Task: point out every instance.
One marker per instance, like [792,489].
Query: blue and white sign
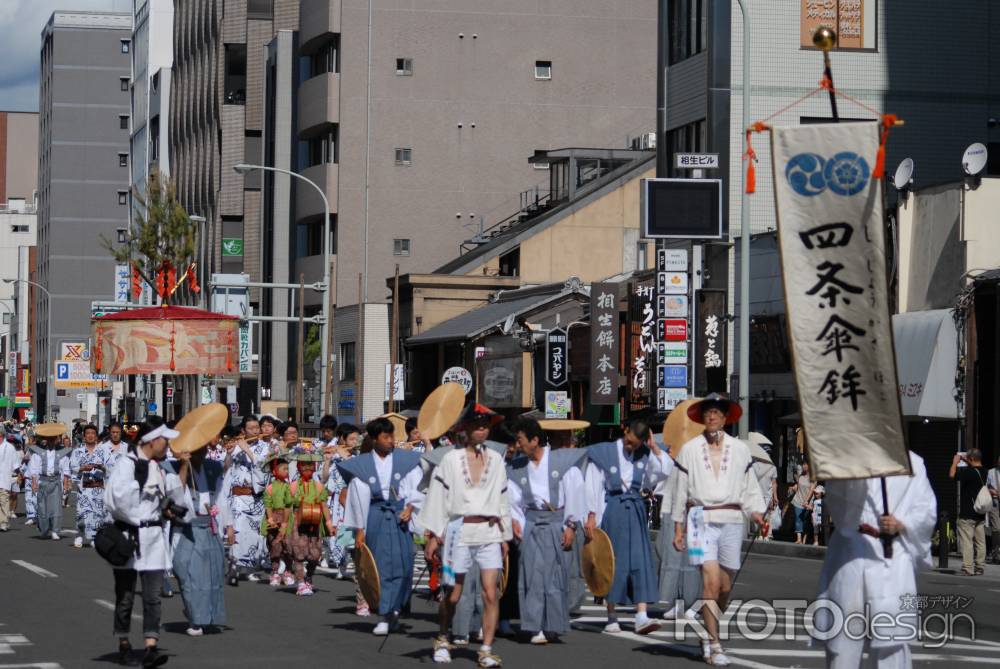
[123,283]
[152,407]
[673,376]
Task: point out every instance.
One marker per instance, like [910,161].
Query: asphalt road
[57,600]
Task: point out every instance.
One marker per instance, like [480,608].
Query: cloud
[21,24]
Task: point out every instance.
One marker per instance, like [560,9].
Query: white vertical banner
[123,283]
[830,230]
[394,388]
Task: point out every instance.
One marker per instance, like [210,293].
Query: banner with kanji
[832,245]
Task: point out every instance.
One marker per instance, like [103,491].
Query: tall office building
[417,123]
[83,181]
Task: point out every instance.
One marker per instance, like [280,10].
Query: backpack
[984,500]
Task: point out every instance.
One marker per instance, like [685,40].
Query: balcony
[317,19]
[307,201]
[319,102]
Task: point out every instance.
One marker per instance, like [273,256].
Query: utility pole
[328,401]
[359,356]
[300,362]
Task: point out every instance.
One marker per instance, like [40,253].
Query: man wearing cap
[467,511]
[49,471]
[382,498]
[715,489]
[141,497]
[546,499]
[617,473]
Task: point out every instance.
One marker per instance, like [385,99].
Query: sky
[21,23]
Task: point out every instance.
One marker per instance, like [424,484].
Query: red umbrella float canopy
[165,340]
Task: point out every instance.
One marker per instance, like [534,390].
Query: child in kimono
[277,511]
[311,522]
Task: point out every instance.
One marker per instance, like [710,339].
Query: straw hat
[440,410]
[198,427]
[679,429]
[366,572]
[716,401]
[399,424]
[563,424]
[599,563]
[50,430]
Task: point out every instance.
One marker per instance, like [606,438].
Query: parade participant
[547,499]
[199,558]
[268,430]
[140,495]
[88,465]
[114,447]
[468,513]
[311,521]
[716,487]
[277,516]
[817,513]
[616,475]
[10,462]
[860,580]
[291,444]
[382,497]
[50,478]
[417,442]
[344,444]
[327,431]
[243,487]
[30,493]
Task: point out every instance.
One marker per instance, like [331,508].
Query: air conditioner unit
[644,142]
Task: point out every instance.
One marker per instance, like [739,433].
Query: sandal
[487,659]
[718,658]
[442,650]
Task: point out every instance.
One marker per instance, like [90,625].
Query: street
[58,600]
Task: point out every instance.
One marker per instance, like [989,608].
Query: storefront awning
[926,360]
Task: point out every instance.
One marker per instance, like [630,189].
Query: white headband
[162,431]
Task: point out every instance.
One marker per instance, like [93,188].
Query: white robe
[359,494]
[452,496]
[855,572]
[699,485]
[572,498]
[10,461]
[125,502]
[659,468]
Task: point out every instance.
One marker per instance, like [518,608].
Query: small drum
[311,514]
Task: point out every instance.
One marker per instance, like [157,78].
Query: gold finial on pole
[825,38]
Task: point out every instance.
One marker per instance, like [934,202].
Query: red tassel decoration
[888,120]
[99,355]
[136,281]
[173,335]
[751,157]
[193,280]
[229,350]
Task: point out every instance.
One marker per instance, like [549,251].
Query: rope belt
[241,490]
[475,520]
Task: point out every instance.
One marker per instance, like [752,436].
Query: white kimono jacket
[572,499]
[658,470]
[855,573]
[125,502]
[699,485]
[359,494]
[452,495]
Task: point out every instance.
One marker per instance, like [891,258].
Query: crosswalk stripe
[44,573]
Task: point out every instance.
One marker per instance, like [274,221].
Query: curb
[786,549]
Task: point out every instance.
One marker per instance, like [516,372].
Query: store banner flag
[832,245]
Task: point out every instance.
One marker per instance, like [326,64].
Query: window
[404,67]
[123,121]
[123,83]
[122,160]
[123,197]
[690,138]
[20,228]
[401,247]
[642,256]
[260,9]
[236,74]
[154,138]
[325,59]
[540,165]
[687,29]
[347,361]
[322,149]
[125,45]
[543,69]
[404,156]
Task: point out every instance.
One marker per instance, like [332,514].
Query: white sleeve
[680,502]
[435,512]
[594,492]
[752,499]
[659,469]
[516,499]
[574,496]
[121,493]
[64,465]
[409,489]
[35,465]
[359,498]
[508,533]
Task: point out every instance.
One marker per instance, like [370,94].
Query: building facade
[83,183]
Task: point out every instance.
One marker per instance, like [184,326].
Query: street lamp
[244,169]
[48,335]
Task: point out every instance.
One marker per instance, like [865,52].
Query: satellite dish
[904,174]
[974,159]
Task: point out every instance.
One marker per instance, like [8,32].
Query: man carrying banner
[716,486]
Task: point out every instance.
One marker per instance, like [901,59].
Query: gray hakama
[543,580]
[199,564]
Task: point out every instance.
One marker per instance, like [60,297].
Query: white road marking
[14,638]
[36,665]
[103,603]
[44,573]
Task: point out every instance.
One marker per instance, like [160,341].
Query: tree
[161,242]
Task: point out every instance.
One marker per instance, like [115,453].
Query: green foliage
[313,344]
[162,232]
